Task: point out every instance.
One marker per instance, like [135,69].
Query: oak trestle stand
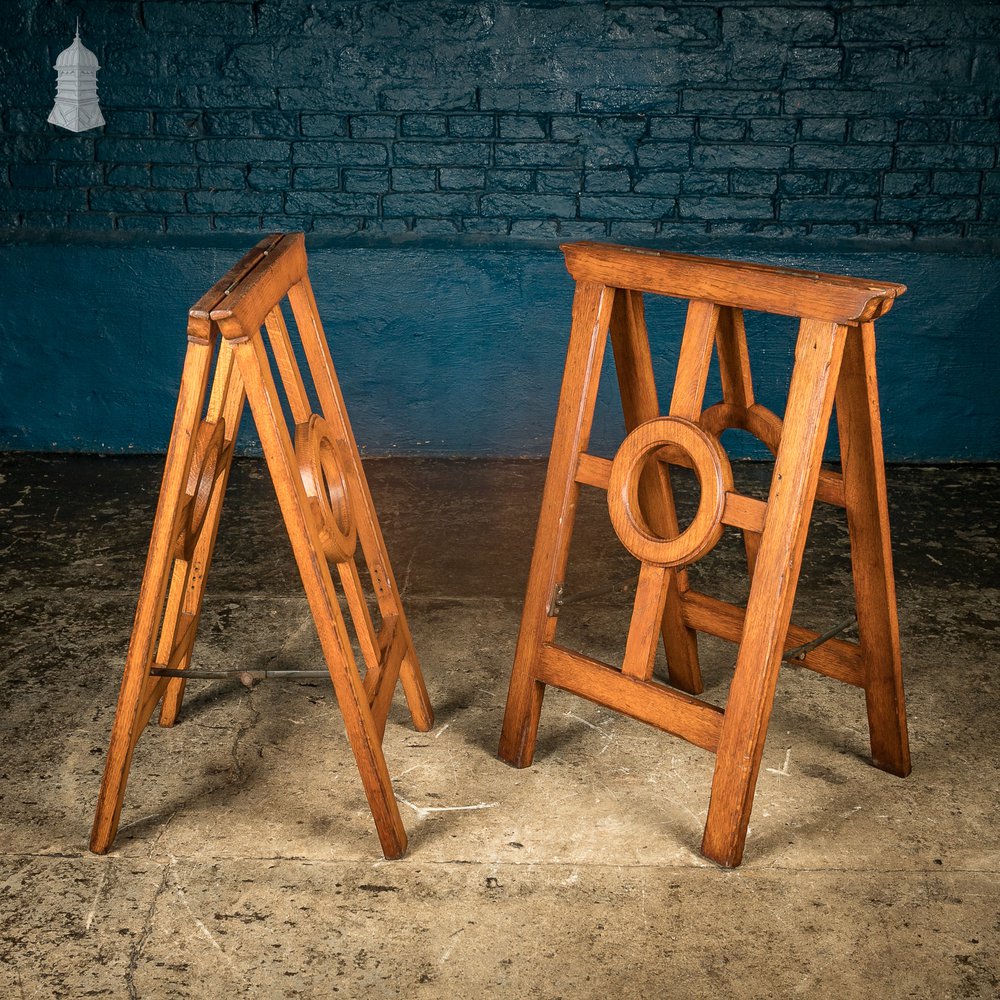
[325,504]
[834,361]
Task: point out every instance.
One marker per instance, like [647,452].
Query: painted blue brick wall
[518,120]
[435,152]
[447,351]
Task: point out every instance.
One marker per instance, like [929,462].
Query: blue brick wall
[456,351]
[635,121]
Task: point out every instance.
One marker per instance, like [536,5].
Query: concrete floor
[247,864]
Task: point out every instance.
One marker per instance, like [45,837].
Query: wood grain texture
[245,308]
[772,592]
[640,402]
[836,658]
[871,550]
[373,547]
[715,478]
[787,292]
[200,329]
[592,306]
[672,711]
[737,391]
[225,403]
[647,619]
[138,696]
[152,593]
[314,570]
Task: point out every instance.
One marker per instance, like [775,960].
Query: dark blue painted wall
[451,351]
[632,120]
[436,152]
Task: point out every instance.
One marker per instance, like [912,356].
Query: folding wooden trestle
[325,503]
[834,360]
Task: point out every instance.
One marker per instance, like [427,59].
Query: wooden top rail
[787,292]
[199,315]
[242,312]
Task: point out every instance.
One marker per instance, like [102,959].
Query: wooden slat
[288,369]
[154,688]
[787,292]
[183,641]
[199,328]
[818,351]
[393,643]
[830,488]
[737,391]
[364,627]
[734,359]
[672,711]
[647,618]
[640,402]
[593,471]
[152,692]
[149,611]
[362,732]
[225,403]
[744,512]
[334,410]
[243,311]
[836,658]
[694,360]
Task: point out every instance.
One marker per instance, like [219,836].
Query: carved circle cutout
[710,464]
[319,457]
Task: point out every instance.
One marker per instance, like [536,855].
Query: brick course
[628,120]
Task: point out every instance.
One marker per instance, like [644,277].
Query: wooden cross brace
[834,360]
[325,503]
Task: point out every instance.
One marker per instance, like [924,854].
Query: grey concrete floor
[247,865]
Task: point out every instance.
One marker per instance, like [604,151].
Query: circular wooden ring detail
[209,442]
[318,454]
[756,420]
[715,476]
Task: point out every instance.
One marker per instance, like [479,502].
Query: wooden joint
[593,471]
[393,647]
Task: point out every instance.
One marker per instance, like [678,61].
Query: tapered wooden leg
[640,402]
[592,306]
[871,552]
[362,732]
[793,488]
[159,561]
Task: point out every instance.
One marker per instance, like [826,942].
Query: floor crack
[241,732]
[140,941]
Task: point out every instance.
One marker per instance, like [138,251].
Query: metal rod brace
[246,677]
[799,652]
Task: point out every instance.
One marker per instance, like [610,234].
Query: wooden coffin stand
[834,362]
[325,504]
